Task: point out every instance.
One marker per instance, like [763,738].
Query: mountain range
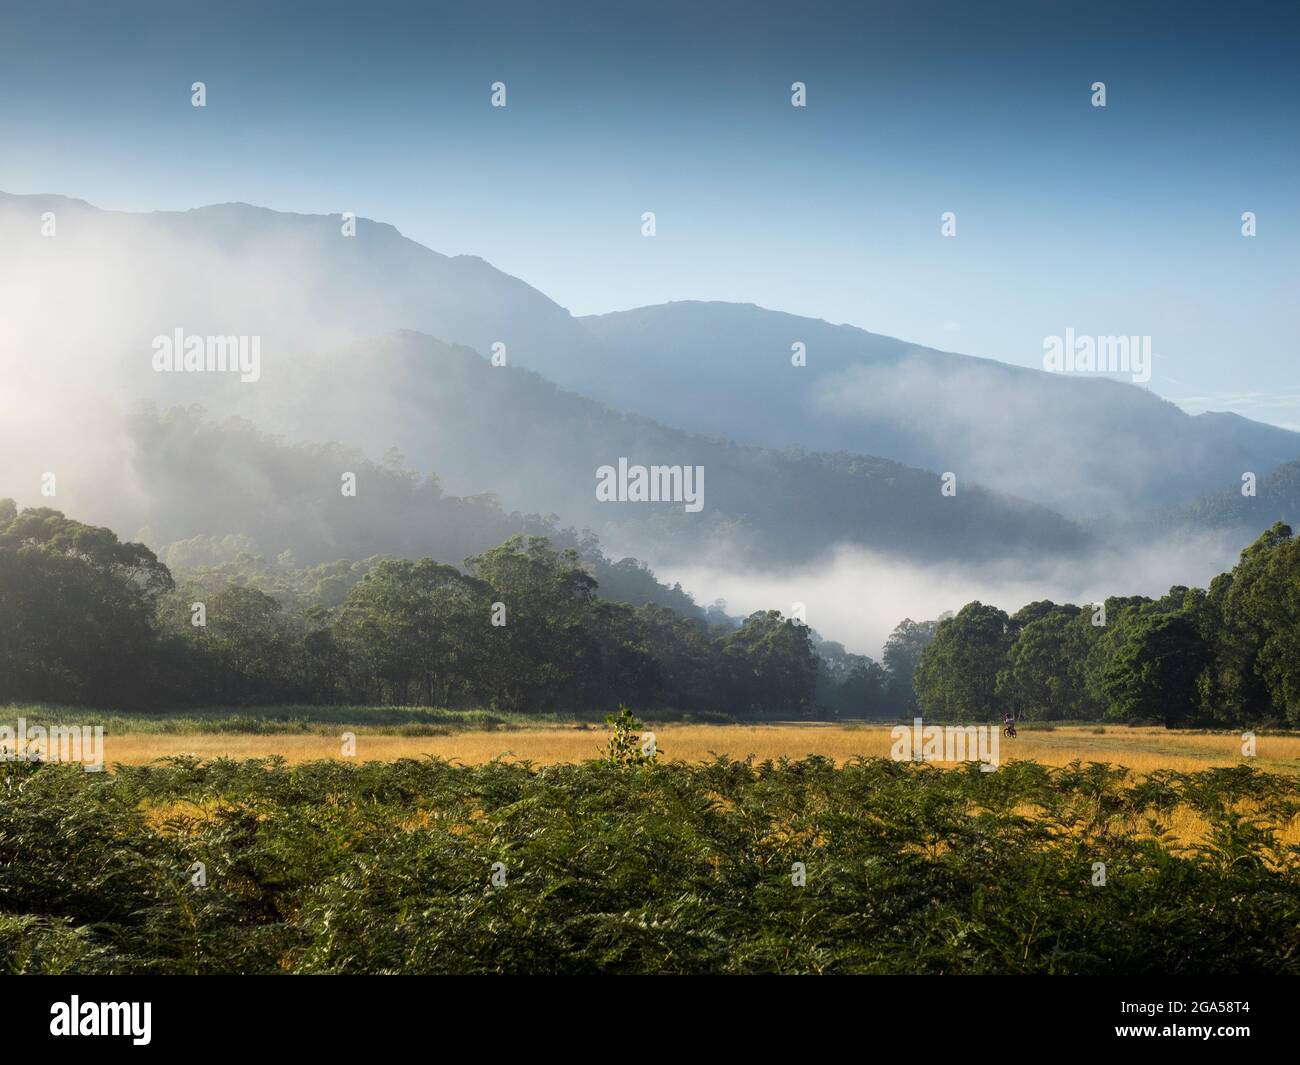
[378,341]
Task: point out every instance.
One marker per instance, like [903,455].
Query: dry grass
[1141,749]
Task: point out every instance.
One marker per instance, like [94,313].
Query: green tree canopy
[956,677]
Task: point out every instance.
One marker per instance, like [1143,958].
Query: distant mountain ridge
[1083,446]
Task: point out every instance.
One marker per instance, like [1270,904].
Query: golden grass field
[1141,749]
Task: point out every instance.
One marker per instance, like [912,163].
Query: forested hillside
[86,619]
[1250,501]
[522,627]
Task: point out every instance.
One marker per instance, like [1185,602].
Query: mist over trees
[200,474]
[1224,656]
[87,619]
[353,353]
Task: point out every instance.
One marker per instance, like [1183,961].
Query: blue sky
[1123,220]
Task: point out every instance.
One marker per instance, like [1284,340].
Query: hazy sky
[1122,220]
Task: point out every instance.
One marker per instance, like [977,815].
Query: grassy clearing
[305,719]
[1140,749]
[302,735]
[386,733]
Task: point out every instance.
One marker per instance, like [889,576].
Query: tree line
[1225,655]
[86,619]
